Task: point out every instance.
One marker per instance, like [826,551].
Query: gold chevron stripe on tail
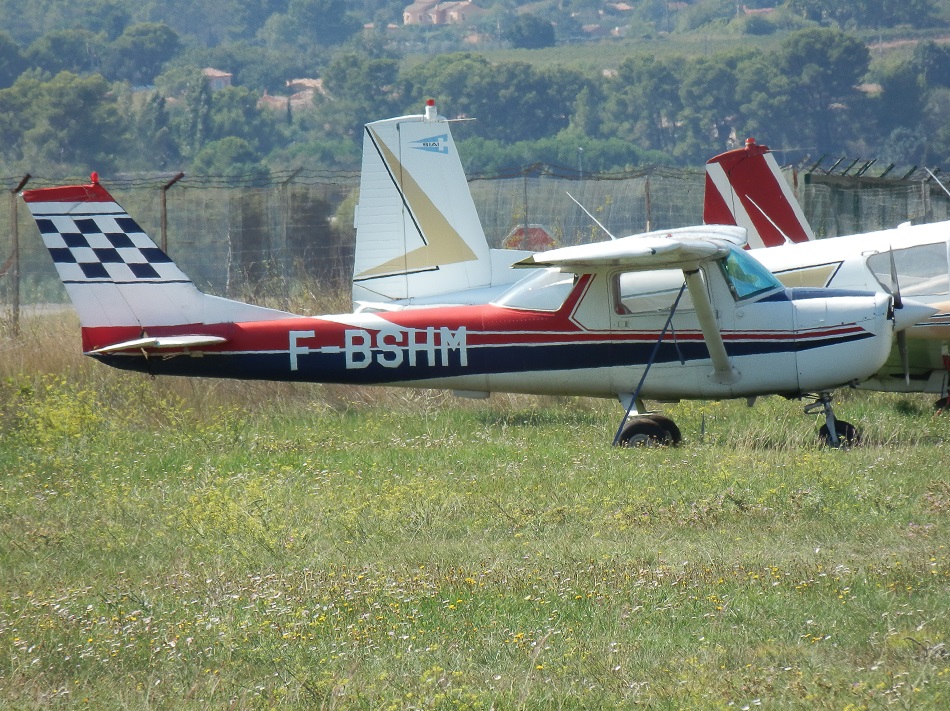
[445,245]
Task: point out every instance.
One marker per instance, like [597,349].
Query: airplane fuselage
[791,342]
[863,262]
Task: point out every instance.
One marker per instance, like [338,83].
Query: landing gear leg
[943,404]
[835,432]
[643,428]
[638,430]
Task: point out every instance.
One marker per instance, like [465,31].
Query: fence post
[287,204]
[164,207]
[15,239]
[648,204]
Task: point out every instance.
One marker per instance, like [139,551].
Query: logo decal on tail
[433,144]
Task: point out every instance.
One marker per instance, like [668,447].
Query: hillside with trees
[235,88]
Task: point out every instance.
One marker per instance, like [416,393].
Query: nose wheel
[834,433]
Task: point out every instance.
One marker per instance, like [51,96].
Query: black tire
[644,432]
[848,435]
[666,423]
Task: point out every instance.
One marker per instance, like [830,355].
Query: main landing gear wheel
[666,423]
[848,435]
[644,432]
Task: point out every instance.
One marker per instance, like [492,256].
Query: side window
[921,270]
[545,290]
[649,292]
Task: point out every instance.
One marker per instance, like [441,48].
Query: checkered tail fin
[114,274]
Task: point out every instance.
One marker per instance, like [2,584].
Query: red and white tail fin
[117,278]
[745,187]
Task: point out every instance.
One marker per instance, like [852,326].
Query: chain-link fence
[257,239]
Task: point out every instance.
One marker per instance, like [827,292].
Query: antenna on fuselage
[586,212]
[931,173]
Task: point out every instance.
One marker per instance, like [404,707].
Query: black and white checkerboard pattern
[105,248]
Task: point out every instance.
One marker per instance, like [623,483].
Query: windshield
[746,276]
[544,291]
[921,270]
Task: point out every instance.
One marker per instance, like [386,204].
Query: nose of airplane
[910,313]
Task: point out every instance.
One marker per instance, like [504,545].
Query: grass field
[201,544]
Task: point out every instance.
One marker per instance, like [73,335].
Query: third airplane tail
[746,187]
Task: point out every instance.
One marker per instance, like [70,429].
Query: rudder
[745,187]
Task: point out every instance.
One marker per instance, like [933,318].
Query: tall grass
[205,544]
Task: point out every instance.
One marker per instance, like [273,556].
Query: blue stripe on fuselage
[804,293]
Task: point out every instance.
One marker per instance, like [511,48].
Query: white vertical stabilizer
[417,231]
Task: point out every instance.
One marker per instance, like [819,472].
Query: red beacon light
[755,149]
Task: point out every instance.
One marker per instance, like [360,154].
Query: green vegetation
[202,544]
[114,85]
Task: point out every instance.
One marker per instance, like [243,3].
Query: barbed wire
[348,177]
[326,176]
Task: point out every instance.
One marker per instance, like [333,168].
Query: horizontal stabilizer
[161,343]
[667,249]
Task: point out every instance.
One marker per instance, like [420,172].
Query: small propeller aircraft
[683,313]
[420,242]
[745,187]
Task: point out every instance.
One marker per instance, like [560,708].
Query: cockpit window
[747,277]
[921,270]
[546,290]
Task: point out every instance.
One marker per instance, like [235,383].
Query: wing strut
[723,370]
[656,348]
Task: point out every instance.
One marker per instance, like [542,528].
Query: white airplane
[420,241]
[669,315]
[745,187]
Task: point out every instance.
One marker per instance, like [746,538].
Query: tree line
[121,95]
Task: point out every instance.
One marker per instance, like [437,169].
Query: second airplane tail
[418,235]
[745,187]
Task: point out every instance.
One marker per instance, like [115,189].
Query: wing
[684,248]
